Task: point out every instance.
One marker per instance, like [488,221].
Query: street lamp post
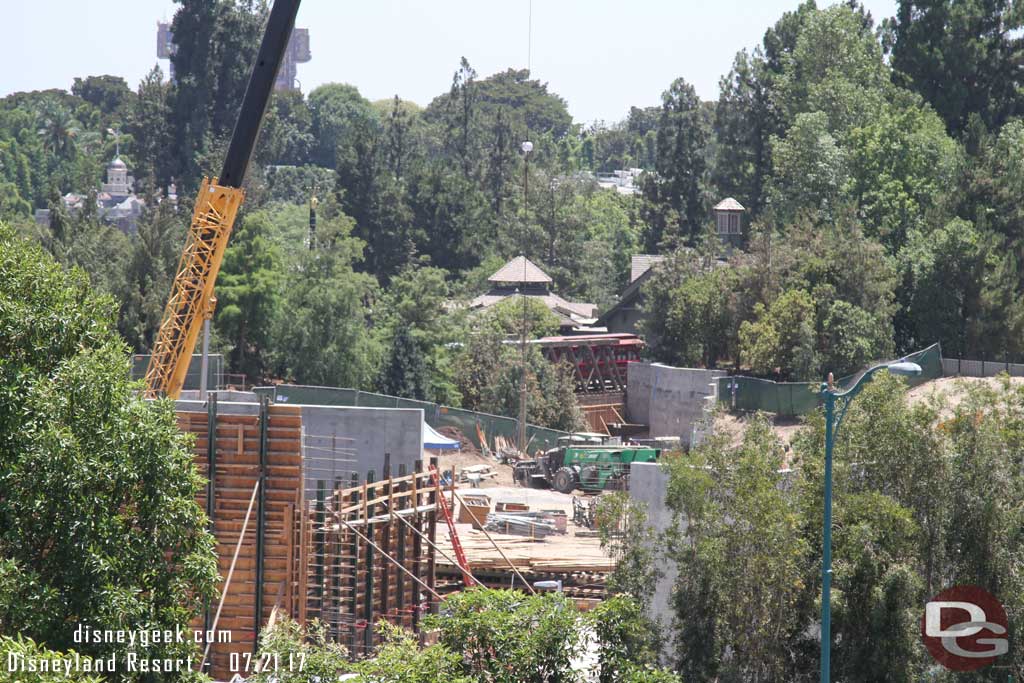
[527,147]
[832,422]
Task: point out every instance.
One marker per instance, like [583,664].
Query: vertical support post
[211,486]
[432,530]
[402,533]
[826,556]
[385,537]
[417,544]
[318,541]
[261,518]
[351,577]
[368,584]
[339,550]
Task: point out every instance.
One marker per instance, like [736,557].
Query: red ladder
[460,554]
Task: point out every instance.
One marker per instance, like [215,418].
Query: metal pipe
[204,366]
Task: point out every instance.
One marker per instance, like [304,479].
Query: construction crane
[217,204]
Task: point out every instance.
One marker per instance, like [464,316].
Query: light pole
[832,422]
[527,147]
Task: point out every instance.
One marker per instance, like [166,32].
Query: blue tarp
[437,442]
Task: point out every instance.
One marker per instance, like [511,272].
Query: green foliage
[960,56]
[19,649]
[692,310]
[400,660]
[325,339]
[741,559]
[301,655]
[627,643]
[510,637]
[626,535]
[249,296]
[809,169]
[337,112]
[109,94]
[405,372]
[488,370]
[78,444]
[675,208]
[780,339]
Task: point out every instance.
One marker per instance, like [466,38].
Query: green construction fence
[799,398]
[466,421]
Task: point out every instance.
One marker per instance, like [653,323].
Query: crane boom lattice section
[212,220]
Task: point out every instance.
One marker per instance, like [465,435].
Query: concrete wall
[647,485]
[670,400]
[340,440]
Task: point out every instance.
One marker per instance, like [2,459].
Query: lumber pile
[555,554]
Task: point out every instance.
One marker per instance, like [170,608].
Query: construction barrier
[799,398]
[466,421]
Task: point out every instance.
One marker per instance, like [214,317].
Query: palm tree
[58,130]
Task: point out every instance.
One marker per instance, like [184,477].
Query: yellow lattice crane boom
[216,207]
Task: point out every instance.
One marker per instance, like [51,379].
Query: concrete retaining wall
[670,400]
[340,440]
[647,485]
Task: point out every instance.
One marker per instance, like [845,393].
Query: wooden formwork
[363,533]
[308,557]
[246,449]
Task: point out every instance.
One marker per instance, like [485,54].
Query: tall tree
[676,207]
[150,126]
[962,56]
[99,520]
[249,296]
[743,124]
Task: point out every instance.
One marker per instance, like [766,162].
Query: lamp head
[527,147]
[904,368]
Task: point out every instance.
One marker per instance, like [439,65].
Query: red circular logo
[965,628]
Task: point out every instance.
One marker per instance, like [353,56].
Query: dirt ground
[469,455]
[734,425]
[949,391]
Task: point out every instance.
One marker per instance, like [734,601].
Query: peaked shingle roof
[641,263]
[729,204]
[520,269]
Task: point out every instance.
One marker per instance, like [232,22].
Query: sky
[601,56]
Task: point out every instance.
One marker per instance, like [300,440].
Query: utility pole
[527,148]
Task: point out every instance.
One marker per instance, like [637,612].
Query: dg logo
[965,628]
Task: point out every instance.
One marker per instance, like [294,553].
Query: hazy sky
[601,56]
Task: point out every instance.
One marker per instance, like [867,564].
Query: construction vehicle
[579,463]
[219,199]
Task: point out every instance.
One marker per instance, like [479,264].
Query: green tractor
[583,462]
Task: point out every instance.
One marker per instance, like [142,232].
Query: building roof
[117,163]
[729,204]
[641,263]
[520,269]
[552,301]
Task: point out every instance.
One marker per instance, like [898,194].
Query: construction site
[454,382]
